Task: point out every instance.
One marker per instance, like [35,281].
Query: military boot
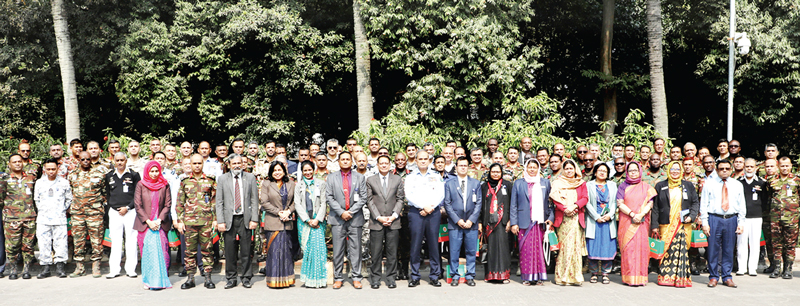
[96,269]
[45,272]
[189,282]
[26,274]
[787,271]
[209,284]
[60,270]
[11,265]
[79,270]
[777,272]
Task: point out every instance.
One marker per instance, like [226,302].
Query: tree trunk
[609,93]
[73,122]
[658,94]
[364,86]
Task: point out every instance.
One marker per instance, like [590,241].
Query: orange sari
[633,237]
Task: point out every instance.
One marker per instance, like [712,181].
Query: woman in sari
[675,209]
[152,201]
[601,227]
[530,214]
[634,199]
[569,197]
[495,226]
[310,207]
[277,200]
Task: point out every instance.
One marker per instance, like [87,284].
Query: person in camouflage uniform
[619,170]
[30,166]
[498,158]
[477,168]
[654,173]
[771,153]
[97,162]
[513,165]
[770,167]
[88,195]
[555,166]
[19,216]
[784,215]
[197,218]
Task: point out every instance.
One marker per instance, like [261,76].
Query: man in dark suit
[385,195]
[462,201]
[237,215]
[346,193]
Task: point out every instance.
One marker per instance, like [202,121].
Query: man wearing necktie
[237,215]
[385,197]
[346,194]
[462,201]
[722,210]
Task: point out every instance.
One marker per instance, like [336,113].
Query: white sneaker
[112,275]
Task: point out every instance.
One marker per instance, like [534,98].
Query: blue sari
[154,271]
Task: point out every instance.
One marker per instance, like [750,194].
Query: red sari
[633,237]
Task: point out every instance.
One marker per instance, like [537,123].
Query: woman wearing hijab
[277,199]
[152,202]
[531,213]
[495,226]
[601,226]
[634,199]
[569,197]
[675,208]
[310,207]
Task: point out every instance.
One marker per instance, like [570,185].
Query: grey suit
[384,203]
[346,231]
[237,224]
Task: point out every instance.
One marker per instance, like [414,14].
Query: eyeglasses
[734,146]
[24,150]
[619,164]
[708,162]
[589,159]
[82,159]
[581,152]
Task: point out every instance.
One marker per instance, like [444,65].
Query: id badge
[789,192]
[685,195]
[504,190]
[28,190]
[50,193]
[356,197]
[125,188]
[474,198]
[755,196]
[205,197]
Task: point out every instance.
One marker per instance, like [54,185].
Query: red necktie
[238,203]
[346,186]
[725,204]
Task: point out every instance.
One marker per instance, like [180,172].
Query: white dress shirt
[711,199]
[241,193]
[424,189]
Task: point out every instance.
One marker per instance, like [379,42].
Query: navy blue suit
[454,206]
[521,204]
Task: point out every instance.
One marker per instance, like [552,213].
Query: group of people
[369,205]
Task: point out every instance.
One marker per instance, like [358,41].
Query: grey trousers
[349,237]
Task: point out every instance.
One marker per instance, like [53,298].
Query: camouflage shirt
[196,200]
[102,166]
[88,191]
[695,180]
[784,197]
[652,178]
[516,171]
[321,175]
[618,179]
[33,168]
[476,172]
[16,196]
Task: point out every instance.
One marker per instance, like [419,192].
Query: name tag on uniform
[789,192]
[665,188]
[50,193]
[504,190]
[28,190]
[755,196]
[94,180]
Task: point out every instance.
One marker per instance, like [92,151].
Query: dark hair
[617,144]
[303,149]
[169,144]
[512,148]
[113,141]
[707,156]
[735,156]
[722,140]
[542,149]
[723,161]
[345,152]
[321,153]
[272,171]
[475,149]
[350,138]
[373,138]
[20,156]
[50,160]
[269,141]
[220,145]
[594,171]
[280,145]
[556,155]
[449,141]
[464,158]
[630,145]
[159,152]
[411,145]
[645,146]
[237,139]
[784,158]
[659,138]
[75,141]
[307,162]
[384,156]
[381,148]
[437,157]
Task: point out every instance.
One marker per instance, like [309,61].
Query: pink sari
[633,237]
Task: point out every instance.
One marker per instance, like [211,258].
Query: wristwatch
[632,214]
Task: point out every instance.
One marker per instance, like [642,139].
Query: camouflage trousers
[198,235]
[766,230]
[20,237]
[784,235]
[52,239]
[91,225]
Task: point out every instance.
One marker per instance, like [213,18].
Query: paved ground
[86,290]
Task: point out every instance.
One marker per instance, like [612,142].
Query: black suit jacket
[660,212]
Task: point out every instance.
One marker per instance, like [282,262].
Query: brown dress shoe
[337,284]
[730,283]
[712,283]
[357,284]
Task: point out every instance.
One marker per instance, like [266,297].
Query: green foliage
[40,149]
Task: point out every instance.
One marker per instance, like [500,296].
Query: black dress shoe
[188,284]
[230,284]
[246,283]
[471,282]
[26,275]
[392,286]
[435,283]
[454,283]
[13,276]
[695,271]
[375,286]
[263,270]
[411,283]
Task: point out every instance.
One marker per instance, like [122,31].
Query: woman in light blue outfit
[601,226]
[310,206]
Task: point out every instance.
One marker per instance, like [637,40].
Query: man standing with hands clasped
[197,220]
[722,210]
[237,214]
[784,215]
[462,201]
[385,195]
[346,193]
[425,192]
